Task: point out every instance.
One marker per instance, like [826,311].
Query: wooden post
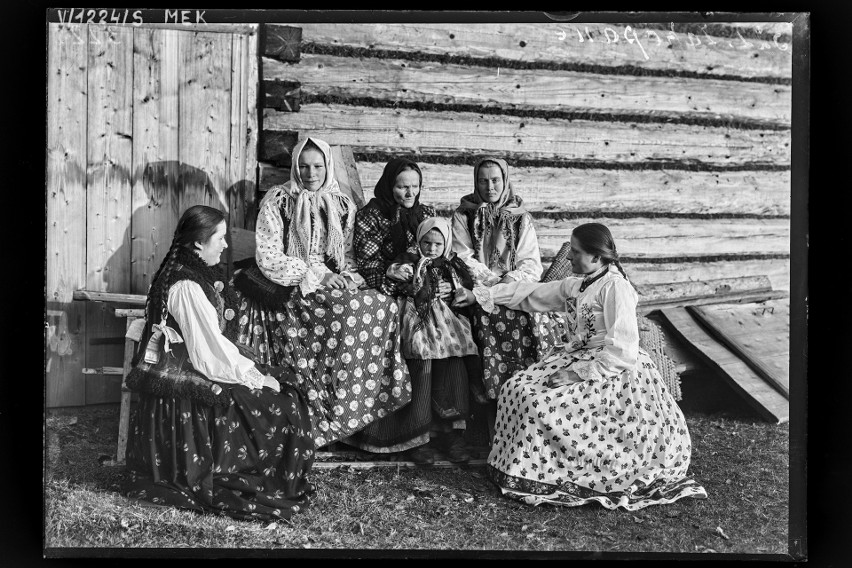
[124,414]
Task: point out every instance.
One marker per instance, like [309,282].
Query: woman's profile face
[581,261]
[432,244]
[312,169]
[406,188]
[210,251]
[489,183]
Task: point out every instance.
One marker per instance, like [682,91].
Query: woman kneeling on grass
[211,432]
[592,420]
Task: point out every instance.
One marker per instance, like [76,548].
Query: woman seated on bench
[211,432]
[494,234]
[301,306]
[592,421]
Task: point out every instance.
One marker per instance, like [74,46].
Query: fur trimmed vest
[170,373]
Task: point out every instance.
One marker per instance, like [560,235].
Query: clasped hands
[337,281]
[561,378]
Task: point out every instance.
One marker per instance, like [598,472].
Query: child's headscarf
[304,207]
[402,220]
[430,271]
[489,221]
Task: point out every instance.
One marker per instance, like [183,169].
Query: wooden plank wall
[675,136]
[143,121]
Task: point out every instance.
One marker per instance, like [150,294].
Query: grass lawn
[742,463]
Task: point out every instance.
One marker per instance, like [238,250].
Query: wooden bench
[133,318]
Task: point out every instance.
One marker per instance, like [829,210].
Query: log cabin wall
[675,136]
[143,121]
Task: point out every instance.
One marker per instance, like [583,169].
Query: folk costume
[437,343]
[205,434]
[498,239]
[341,343]
[617,436]
[384,229]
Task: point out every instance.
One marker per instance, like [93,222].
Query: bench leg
[124,415]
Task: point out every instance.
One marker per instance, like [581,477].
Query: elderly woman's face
[489,183]
[406,188]
[312,169]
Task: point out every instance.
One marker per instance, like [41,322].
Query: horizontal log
[519,91]
[672,238]
[130,313]
[720,286]
[573,189]
[92,296]
[746,297]
[368,129]
[649,273]
[597,47]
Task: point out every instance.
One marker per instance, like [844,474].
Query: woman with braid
[593,420]
[301,307]
[495,235]
[211,432]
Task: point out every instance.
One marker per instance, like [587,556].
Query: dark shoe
[420,455]
[455,447]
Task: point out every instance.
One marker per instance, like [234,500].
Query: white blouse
[602,331]
[527,254]
[275,264]
[210,352]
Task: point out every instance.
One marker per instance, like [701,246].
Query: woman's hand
[562,378]
[506,279]
[401,272]
[332,280]
[464,298]
[270,382]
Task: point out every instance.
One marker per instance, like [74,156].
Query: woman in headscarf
[387,225]
[301,307]
[211,431]
[495,235]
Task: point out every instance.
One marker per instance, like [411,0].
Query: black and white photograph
[425,284]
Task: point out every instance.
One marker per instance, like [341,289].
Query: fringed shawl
[303,208]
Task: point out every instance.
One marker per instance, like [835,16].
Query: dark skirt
[344,348]
[249,460]
[512,340]
[440,393]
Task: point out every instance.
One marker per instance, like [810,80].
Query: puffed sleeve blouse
[373,246]
[210,352]
[276,265]
[602,331]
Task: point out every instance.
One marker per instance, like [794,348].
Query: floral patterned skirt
[512,340]
[249,460]
[622,442]
[344,348]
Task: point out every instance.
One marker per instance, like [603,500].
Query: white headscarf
[303,206]
[424,227]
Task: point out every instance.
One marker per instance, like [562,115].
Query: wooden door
[142,123]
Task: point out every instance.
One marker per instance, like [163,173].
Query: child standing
[437,339]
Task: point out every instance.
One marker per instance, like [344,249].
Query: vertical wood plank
[243,162]
[66,214]
[156,64]
[108,195]
[251,134]
[204,115]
